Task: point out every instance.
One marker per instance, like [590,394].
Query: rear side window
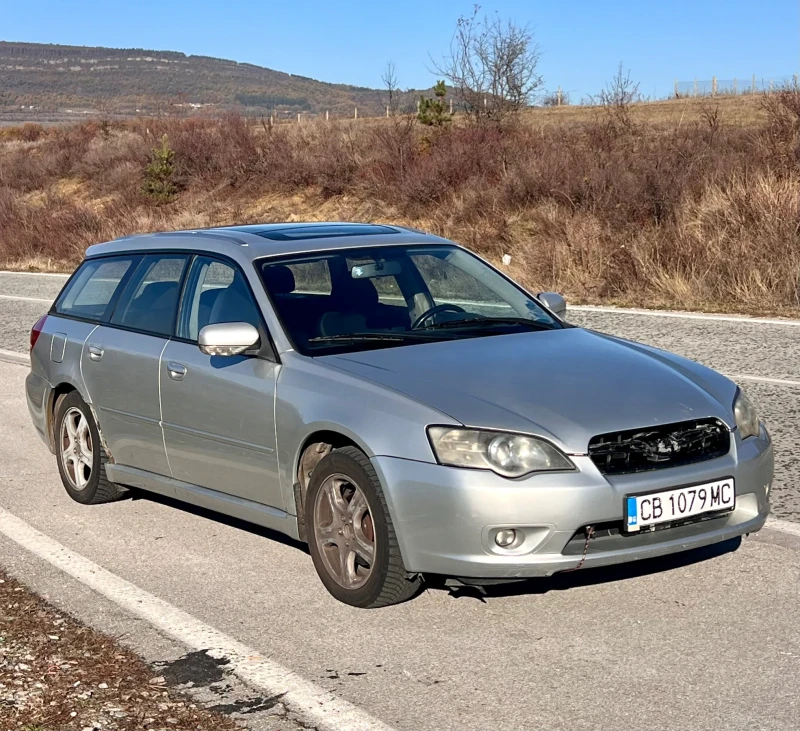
[92,288]
[150,299]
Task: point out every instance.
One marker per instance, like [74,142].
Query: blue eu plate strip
[633,513]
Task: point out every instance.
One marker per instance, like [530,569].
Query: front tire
[80,454]
[351,537]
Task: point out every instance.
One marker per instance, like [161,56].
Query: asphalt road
[704,640]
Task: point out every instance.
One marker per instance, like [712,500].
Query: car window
[394,296]
[92,288]
[448,283]
[150,299]
[310,277]
[215,292]
[387,287]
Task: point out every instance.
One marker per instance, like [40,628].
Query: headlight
[509,455]
[745,416]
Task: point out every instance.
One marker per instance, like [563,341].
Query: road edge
[311,703]
[11,356]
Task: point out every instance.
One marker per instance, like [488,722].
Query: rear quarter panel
[56,361]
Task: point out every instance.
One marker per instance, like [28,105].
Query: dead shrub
[697,214]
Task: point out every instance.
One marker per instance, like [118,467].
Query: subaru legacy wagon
[389,398]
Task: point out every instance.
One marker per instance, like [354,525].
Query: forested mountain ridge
[50,78]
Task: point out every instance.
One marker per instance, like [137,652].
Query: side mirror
[227,338]
[554,302]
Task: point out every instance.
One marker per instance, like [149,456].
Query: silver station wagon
[392,400]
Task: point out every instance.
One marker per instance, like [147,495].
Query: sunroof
[296,233]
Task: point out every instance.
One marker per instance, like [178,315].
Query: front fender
[312,396]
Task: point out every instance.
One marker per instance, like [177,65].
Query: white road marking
[315,705]
[762,379]
[580,308]
[35,274]
[784,526]
[741,319]
[11,356]
[22,359]
[26,299]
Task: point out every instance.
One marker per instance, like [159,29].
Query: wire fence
[753,84]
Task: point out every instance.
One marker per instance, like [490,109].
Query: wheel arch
[318,443]
[57,393]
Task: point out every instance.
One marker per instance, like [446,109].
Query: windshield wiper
[397,337]
[482,323]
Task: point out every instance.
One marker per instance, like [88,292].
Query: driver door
[218,412]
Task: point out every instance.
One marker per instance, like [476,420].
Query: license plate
[678,504]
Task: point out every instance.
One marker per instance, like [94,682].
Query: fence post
[676,88]
[559,96]
[327,113]
[451,101]
[387,110]
[713,86]
[355,113]
[417,106]
[734,86]
[753,87]
[298,118]
[694,92]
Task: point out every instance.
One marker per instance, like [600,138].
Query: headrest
[279,279]
[355,294]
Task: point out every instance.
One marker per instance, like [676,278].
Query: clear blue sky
[350,41]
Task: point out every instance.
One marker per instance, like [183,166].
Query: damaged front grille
[658,447]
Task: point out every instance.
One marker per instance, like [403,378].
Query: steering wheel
[428,314]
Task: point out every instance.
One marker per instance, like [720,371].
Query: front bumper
[445,518]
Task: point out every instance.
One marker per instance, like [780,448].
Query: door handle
[95,353]
[177,371]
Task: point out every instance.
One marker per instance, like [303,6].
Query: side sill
[203,497]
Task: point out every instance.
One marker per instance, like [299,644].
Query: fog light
[505,538]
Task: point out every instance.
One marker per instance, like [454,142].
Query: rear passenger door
[120,363]
[218,412]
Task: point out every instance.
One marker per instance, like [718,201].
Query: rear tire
[80,455]
[350,533]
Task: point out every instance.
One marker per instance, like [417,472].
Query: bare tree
[389,78]
[395,139]
[492,67]
[617,97]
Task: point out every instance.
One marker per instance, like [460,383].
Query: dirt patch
[55,673]
[195,668]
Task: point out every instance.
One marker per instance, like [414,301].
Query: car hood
[565,385]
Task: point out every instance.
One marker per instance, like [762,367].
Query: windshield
[392,296]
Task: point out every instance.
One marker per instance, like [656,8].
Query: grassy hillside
[693,212]
[52,78]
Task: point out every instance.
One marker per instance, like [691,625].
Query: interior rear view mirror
[376,269]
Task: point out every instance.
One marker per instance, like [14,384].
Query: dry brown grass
[694,211]
[739,111]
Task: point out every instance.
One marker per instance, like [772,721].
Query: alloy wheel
[77,455]
[344,531]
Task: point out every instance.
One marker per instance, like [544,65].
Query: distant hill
[49,79]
